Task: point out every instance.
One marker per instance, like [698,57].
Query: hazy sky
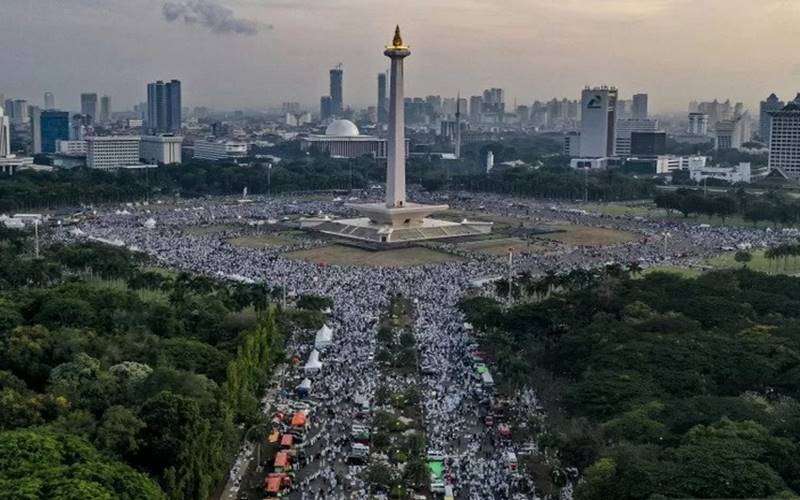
[254,53]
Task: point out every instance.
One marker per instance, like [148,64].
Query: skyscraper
[89,106]
[639,108]
[337,101]
[5,135]
[36,129]
[164,106]
[325,107]
[784,143]
[105,109]
[598,121]
[383,104]
[49,100]
[475,103]
[20,115]
[54,126]
[766,107]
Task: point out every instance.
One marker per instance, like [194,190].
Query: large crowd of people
[451,395]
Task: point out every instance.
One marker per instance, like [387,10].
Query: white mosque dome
[342,128]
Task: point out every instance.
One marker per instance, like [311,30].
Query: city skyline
[552,48]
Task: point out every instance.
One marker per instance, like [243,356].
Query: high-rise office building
[36,129]
[53,126]
[383,103]
[337,91]
[698,124]
[639,107]
[475,104]
[114,151]
[164,106]
[5,135]
[89,106]
[325,107]
[625,129]
[731,134]
[8,107]
[784,143]
[49,101]
[598,122]
[770,105]
[20,115]
[105,109]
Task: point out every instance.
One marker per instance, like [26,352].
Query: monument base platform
[365,229]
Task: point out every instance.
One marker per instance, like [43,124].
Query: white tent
[313,365]
[324,337]
[150,223]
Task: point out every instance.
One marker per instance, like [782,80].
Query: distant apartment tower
[5,135]
[110,152]
[731,134]
[383,103]
[639,108]
[325,107]
[337,91]
[35,113]
[105,109]
[20,115]
[49,101]
[475,104]
[625,128]
[698,124]
[784,143]
[165,149]
[89,106]
[768,106]
[164,106]
[598,122]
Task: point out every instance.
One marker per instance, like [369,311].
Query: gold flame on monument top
[397,42]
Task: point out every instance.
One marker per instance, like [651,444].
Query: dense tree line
[195,178]
[121,382]
[773,207]
[660,386]
[550,178]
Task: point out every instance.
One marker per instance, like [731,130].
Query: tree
[743,257]
[118,431]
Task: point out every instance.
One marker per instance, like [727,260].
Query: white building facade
[110,152]
[208,149]
[784,143]
[741,173]
[598,122]
[165,149]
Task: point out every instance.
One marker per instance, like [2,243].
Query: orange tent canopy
[273,438]
[299,419]
[287,440]
[281,460]
[274,484]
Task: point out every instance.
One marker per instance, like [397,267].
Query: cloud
[214,16]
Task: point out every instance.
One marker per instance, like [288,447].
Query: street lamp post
[510,267]
[666,235]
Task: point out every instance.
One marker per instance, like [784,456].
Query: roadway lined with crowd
[451,395]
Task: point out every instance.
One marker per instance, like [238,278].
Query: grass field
[651,212]
[571,234]
[759,263]
[500,246]
[341,255]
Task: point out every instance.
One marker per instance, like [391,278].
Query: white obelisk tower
[396,171]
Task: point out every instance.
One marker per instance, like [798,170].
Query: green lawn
[759,263]
[682,271]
